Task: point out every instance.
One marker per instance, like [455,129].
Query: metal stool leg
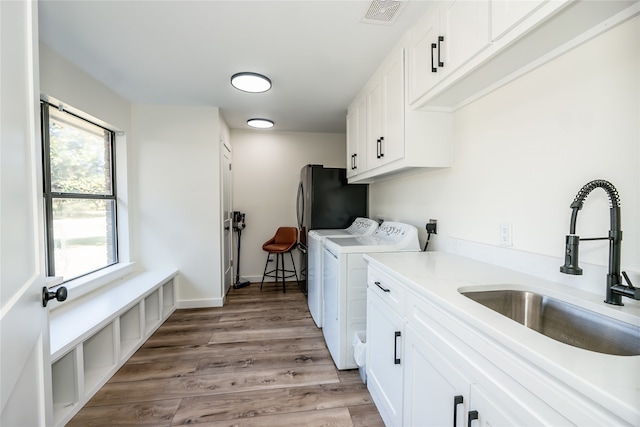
[294,267]
[284,289]
[265,270]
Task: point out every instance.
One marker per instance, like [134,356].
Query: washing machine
[345,283]
[315,242]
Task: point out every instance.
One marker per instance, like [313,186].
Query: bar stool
[282,242]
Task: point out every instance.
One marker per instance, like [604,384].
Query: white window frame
[85,284]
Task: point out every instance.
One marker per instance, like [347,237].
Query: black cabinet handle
[353,161]
[396,359]
[433,68]
[457,400]
[382,287]
[440,40]
[381,146]
[58,295]
[473,415]
[378,148]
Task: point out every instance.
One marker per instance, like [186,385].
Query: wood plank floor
[257,361]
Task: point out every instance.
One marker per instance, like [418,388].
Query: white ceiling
[317,53]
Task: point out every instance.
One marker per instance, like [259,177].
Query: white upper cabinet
[394,138]
[357,137]
[465,27]
[445,39]
[423,57]
[385,111]
[462,50]
[506,14]
[457,53]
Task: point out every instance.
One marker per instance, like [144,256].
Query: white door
[25,397]
[227,219]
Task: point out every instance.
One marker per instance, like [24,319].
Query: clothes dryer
[315,242]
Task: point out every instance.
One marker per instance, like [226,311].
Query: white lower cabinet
[385,358]
[435,392]
[424,371]
[442,389]
[464,387]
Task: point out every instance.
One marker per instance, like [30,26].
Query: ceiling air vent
[383,12]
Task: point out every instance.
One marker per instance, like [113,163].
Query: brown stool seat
[285,240]
[277,247]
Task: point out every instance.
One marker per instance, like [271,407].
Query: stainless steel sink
[562,321]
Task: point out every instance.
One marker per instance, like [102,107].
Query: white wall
[169,158]
[522,153]
[266,173]
[64,81]
[177,177]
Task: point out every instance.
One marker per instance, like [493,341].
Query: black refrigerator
[326,200]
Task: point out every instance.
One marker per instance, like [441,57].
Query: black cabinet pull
[382,287]
[353,161]
[396,359]
[381,151]
[440,40]
[473,415]
[457,400]
[378,148]
[433,68]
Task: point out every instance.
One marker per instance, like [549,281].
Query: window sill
[76,288]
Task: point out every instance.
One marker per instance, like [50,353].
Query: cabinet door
[422,61]
[485,412]
[374,123]
[435,392]
[506,14]
[465,28]
[392,81]
[357,138]
[352,141]
[384,359]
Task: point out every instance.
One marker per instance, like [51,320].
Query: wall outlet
[506,235]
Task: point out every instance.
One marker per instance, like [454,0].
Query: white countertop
[613,381]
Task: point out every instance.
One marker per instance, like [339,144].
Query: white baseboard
[200,303]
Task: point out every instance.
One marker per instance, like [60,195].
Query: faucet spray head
[571,256]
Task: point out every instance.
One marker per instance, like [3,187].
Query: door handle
[440,40]
[59,295]
[396,359]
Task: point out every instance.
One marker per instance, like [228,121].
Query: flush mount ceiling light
[251,82]
[260,123]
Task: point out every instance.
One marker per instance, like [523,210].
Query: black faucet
[615,288]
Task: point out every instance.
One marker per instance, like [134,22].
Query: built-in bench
[93,336]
